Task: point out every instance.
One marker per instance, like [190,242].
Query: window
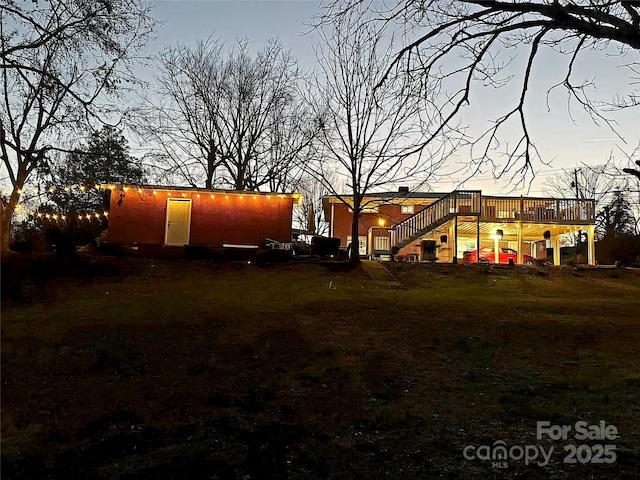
[407,208]
[381,243]
[362,244]
[365,210]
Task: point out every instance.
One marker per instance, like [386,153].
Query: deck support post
[455,239]
[556,250]
[478,240]
[520,258]
[591,248]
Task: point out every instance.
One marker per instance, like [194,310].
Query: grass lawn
[147,369]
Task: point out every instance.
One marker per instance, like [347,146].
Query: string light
[19,191]
[51,190]
[83,187]
[67,189]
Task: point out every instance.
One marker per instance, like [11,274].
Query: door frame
[166,222]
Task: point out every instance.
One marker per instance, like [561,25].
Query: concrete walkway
[379,274]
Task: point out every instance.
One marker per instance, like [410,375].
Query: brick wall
[391,214]
[247,219]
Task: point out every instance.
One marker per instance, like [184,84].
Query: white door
[178,222]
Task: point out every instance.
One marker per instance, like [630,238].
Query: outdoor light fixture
[381,222]
[498,235]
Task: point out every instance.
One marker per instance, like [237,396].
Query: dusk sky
[562,142]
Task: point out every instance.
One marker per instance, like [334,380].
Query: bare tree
[466,46]
[60,61]
[309,213]
[372,133]
[589,182]
[229,118]
[633,160]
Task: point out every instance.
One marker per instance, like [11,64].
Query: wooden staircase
[466,202]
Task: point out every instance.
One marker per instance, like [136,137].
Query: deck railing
[537,210]
[467,202]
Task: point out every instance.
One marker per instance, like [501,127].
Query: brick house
[402,223]
[164,220]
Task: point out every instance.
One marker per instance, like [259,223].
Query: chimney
[403,189]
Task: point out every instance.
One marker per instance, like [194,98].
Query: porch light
[381,222]
[499,234]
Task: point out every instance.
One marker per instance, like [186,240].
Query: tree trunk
[355,241]
[7,215]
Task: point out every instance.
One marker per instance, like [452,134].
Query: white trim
[333,218]
[166,222]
